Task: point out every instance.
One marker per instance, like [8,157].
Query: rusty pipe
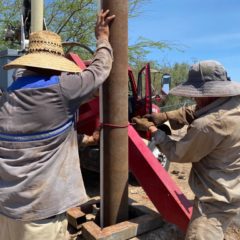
[114,190]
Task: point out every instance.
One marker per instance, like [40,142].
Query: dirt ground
[180,174]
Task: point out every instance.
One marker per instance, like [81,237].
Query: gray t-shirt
[40,172]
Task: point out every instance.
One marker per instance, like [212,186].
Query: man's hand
[102,25]
[96,136]
[157,118]
[86,140]
[142,124]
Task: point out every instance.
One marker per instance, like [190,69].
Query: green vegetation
[74,20]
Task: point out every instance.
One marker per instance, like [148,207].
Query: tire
[160,156]
[90,158]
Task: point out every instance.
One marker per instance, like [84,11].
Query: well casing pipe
[114,181]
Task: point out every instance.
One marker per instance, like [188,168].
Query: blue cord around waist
[36,136]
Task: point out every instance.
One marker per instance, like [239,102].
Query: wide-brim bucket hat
[207,79]
[45,51]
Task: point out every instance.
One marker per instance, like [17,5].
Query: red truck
[140,102]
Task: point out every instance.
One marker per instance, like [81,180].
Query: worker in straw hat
[211,144]
[40,176]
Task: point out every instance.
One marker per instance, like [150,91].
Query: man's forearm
[101,65]
[180,117]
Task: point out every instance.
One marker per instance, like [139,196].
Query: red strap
[110,125]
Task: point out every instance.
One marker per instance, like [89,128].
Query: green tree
[179,73]
[74,20]
[10,17]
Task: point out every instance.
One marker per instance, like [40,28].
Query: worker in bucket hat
[40,176]
[211,144]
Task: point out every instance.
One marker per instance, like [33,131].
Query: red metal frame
[148,93]
[88,117]
[160,188]
[131,79]
[75,58]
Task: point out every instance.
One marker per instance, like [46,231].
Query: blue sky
[203,29]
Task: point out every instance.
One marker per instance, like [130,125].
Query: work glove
[157,118]
[142,124]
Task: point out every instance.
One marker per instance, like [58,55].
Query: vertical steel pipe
[37,15]
[114,190]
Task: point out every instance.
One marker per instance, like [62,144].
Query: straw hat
[207,79]
[45,51]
